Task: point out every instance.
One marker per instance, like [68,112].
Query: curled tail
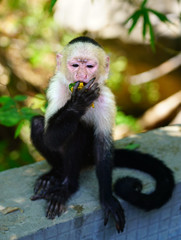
[129,188]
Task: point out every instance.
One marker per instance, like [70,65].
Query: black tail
[129,188]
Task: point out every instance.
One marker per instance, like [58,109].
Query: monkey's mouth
[86,81]
[81,84]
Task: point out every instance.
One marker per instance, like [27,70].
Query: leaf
[144,25]
[135,20]
[7,100]
[9,117]
[52,4]
[152,37]
[143,4]
[161,16]
[40,96]
[131,17]
[132,146]
[18,129]
[27,113]
[147,22]
[38,101]
[20,97]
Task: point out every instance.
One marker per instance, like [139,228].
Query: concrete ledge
[83,218]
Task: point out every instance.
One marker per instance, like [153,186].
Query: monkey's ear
[107,64]
[59,58]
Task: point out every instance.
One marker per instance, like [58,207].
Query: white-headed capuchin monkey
[77,131]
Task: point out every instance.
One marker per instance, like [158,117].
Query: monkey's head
[83,59]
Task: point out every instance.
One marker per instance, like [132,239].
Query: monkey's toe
[56,207]
[114,207]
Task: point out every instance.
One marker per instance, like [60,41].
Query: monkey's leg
[44,182]
[77,150]
[110,205]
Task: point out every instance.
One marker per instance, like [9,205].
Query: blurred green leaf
[9,117]
[14,4]
[134,17]
[144,25]
[143,4]
[135,20]
[132,146]
[18,129]
[152,37]
[52,4]
[27,113]
[20,98]
[144,13]
[161,16]
[6,100]
[130,121]
[11,113]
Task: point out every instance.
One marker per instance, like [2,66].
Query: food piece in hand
[81,85]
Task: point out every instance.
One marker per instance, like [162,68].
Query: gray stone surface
[83,218]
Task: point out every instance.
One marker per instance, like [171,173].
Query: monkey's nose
[81,76]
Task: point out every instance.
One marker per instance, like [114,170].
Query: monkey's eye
[90,66]
[75,65]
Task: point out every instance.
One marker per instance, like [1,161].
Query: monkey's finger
[93,95]
[88,84]
[36,197]
[61,209]
[42,188]
[56,208]
[93,79]
[93,87]
[120,220]
[120,226]
[50,210]
[75,88]
[45,184]
[119,223]
[106,217]
[38,185]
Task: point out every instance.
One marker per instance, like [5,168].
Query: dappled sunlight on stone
[2,207]
[20,200]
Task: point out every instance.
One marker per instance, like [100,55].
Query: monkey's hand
[44,184]
[82,99]
[112,206]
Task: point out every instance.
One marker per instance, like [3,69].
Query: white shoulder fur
[102,117]
[57,94]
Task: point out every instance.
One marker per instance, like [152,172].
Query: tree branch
[157,72]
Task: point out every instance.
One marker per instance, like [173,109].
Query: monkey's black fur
[85,39]
[76,151]
[126,188]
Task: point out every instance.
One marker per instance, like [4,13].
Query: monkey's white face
[82,69]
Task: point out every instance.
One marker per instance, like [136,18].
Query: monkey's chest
[101,117]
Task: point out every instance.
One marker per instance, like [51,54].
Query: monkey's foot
[112,206]
[44,183]
[56,204]
[57,197]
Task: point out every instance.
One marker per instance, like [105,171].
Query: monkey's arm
[63,124]
[103,153]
